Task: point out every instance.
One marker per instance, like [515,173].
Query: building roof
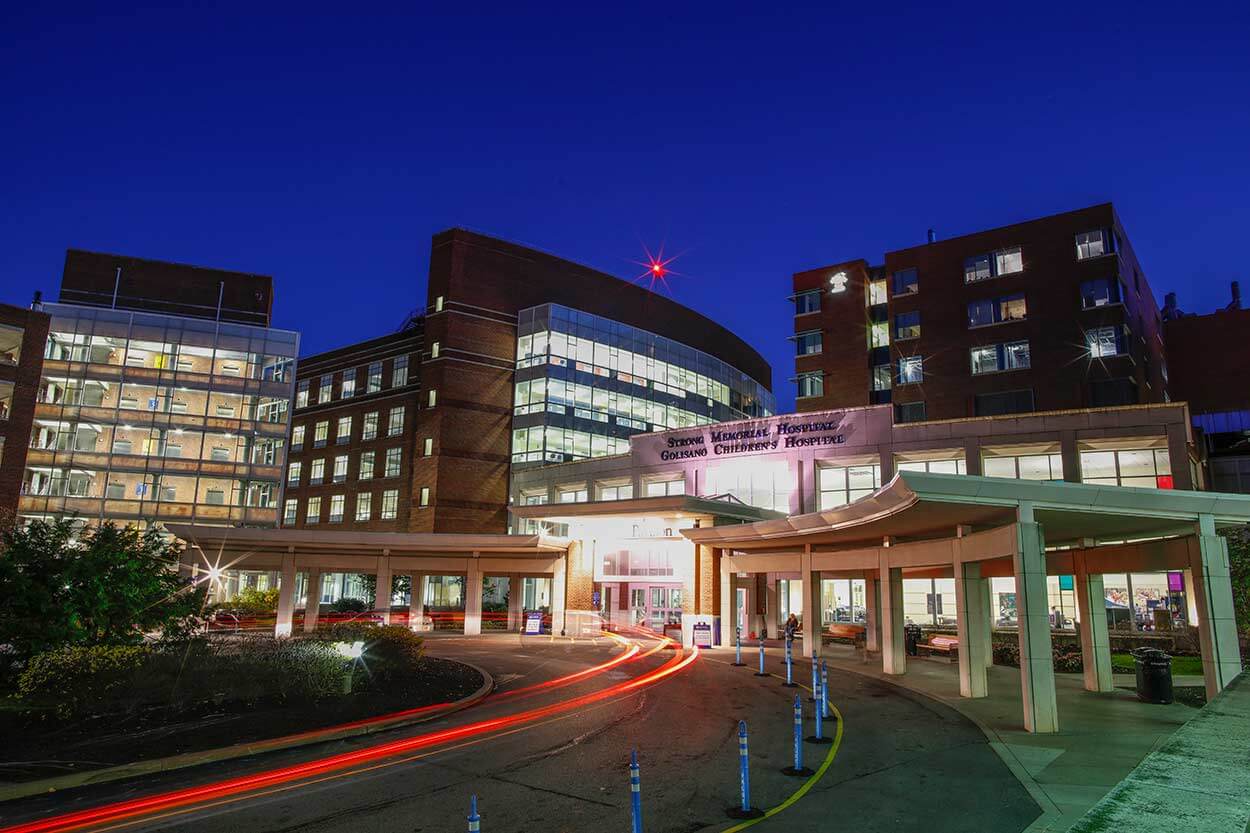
[920,505]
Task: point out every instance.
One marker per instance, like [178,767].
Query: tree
[111,586]
[1239,568]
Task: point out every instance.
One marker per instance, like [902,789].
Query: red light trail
[122,810]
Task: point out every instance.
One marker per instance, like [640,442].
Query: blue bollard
[635,790]
[815,680]
[744,810]
[761,672]
[790,683]
[824,688]
[475,821]
[738,649]
[798,769]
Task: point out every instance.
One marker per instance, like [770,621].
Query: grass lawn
[1180,665]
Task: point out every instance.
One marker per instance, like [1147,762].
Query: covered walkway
[975,528]
[384,555]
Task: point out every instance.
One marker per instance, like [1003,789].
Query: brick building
[1212,381]
[352,444]
[1049,314]
[22,336]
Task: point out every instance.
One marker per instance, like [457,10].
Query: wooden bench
[855,633]
[946,645]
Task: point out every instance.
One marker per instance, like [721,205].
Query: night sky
[325,149]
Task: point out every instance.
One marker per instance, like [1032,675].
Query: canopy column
[991,616]
[559,585]
[1037,664]
[286,595]
[970,611]
[811,604]
[771,606]
[515,598]
[893,651]
[727,623]
[382,587]
[1091,608]
[1213,592]
[473,598]
[872,614]
[312,599]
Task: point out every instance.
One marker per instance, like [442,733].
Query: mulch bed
[34,750]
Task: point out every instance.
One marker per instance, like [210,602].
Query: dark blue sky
[325,149]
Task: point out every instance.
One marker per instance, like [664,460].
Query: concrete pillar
[991,616]
[972,455]
[1091,608]
[382,587]
[559,593]
[811,604]
[893,651]
[1217,627]
[312,604]
[515,597]
[771,625]
[727,602]
[872,614]
[970,613]
[473,597]
[286,595]
[416,603]
[1191,599]
[1037,668]
[1070,455]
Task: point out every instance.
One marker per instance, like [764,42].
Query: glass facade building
[585,384]
[143,417]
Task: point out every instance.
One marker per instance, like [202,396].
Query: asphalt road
[904,764]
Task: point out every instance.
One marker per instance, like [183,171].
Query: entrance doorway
[654,606]
[740,611]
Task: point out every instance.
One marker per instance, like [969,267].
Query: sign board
[533,622]
[775,435]
[701,634]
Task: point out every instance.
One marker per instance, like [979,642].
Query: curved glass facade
[585,383]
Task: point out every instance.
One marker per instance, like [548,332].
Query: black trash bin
[911,635]
[1154,675]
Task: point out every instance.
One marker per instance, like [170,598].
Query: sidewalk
[1102,737]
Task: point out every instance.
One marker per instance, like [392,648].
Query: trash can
[1154,675]
[911,636]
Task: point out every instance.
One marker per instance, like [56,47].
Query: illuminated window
[370,428]
[878,334]
[1100,292]
[326,388]
[910,370]
[1104,341]
[390,504]
[438,304]
[340,468]
[392,462]
[344,430]
[984,267]
[997,310]
[399,373]
[297,437]
[808,343]
[1031,464]
[290,511]
[882,378]
[374,383]
[668,486]
[907,325]
[615,491]
[1149,468]
[301,394]
[431,398]
[572,494]
[952,465]
[395,421]
[366,465]
[313,513]
[320,433]
[316,473]
[293,473]
[349,384]
[425,496]
[840,485]
[364,506]
[336,508]
[811,384]
[434,348]
[1090,244]
[992,358]
[427,446]
[877,293]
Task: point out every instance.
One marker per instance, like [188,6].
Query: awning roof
[257,540]
[675,506]
[919,505]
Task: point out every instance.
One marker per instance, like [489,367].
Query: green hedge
[390,652]
[75,682]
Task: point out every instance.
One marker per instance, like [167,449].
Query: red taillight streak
[177,798]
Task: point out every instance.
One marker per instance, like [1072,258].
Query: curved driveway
[905,763]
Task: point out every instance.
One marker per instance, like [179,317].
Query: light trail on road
[119,811]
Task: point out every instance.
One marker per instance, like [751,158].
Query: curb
[243,750]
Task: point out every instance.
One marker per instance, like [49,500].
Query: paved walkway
[1102,737]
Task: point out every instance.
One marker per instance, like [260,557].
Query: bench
[947,645]
[855,633]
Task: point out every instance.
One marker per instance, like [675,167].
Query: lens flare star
[656,269]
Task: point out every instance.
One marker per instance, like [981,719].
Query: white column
[1091,608]
[893,651]
[515,597]
[726,600]
[970,613]
[1213,592]
[1037,665]
[286,595]
[991,616]
[559,589]
[811,604]
[772,605]
[473,598]
[312,605]
[872,614]
[1191,599]
[382,587]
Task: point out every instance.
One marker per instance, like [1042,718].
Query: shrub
[74,679]
[349,605]
[390,651]
[254,602]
